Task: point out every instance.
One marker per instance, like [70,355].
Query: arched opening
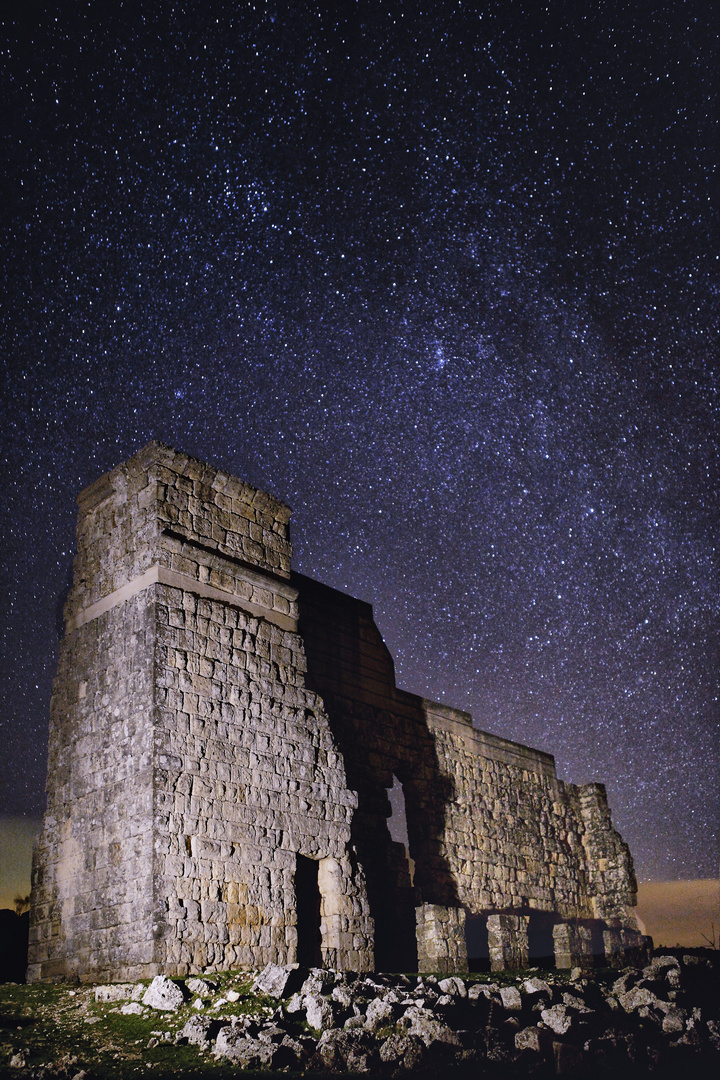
[541,948]
[307,906]
[476,939]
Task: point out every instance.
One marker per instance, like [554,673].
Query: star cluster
[439,275]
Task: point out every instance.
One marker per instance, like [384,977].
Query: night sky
[441,276]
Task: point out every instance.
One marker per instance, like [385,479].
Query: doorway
[307,905]
[476,939]
[541,947]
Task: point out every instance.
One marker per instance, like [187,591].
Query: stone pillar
[573,945]
[441,942]
[345,925]
[613,946]
[508,941]
[624,945]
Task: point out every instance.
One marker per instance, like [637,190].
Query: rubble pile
[666,1013]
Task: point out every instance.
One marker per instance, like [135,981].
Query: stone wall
[492,831]
[223,736]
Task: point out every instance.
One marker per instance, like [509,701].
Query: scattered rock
[295,1004]
[163,993]
[424,1024]
[319,1012]
[536,986]
[343,994]
[510,997]
[342,1050]
[114,992]
[201,987]
[403,1051]
[638,997]
[486,990]
[531,1038]
[453,986]
[277,981]
[132,1008]
[320,981]
[667,1012]
[380,1013]
[574,1002]
[199,1031]
[659,967]
[558,1018]
[234,1044]
[567,1057]
[674,1021]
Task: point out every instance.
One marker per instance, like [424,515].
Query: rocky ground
[637,1022]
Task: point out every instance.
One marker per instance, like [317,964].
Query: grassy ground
[67,1030]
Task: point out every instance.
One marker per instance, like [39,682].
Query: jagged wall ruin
[223,735]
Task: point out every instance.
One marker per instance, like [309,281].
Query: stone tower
[223,735]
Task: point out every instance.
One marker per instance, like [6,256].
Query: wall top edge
[494,746]
[158,453]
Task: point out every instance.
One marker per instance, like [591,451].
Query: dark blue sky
[444,278]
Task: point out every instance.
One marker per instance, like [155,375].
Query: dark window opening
[476,939]
[307,899]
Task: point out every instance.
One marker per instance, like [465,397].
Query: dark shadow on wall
[380,732]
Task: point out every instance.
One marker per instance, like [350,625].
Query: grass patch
[64,1029]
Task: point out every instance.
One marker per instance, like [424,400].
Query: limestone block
[278,980]
[573,945]
[163,994]
[508,941]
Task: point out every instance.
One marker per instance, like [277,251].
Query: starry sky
[442,276]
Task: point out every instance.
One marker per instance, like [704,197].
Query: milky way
[442,277]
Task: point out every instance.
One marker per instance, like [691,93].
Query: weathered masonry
[223,737]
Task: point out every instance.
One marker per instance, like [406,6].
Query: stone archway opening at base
[597,943]
[476,940]
[307,905]
[541,945]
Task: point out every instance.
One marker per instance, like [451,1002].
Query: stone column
[345,927]
[573,945]
[508,941]
[441,938]
[624,945]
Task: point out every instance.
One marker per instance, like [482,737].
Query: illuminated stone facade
[223,737]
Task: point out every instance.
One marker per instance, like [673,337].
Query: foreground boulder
[163,994]
[277,980]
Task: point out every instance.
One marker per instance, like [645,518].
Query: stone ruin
[224,733]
